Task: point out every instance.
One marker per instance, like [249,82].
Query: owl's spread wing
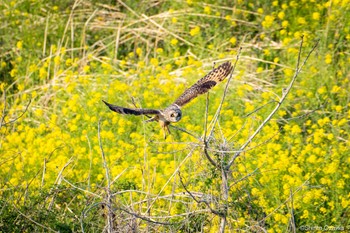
[132,111]
[205,84]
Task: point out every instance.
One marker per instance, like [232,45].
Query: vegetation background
[63,154]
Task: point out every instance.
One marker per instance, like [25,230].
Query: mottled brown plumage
[173,112]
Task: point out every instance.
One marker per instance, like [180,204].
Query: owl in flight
[173,112]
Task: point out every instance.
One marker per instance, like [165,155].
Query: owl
[173,112]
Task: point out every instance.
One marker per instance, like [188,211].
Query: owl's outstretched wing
[132,111]
[205,84]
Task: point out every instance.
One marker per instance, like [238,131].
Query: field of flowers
[68,164]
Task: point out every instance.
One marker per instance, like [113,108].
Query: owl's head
[172,113]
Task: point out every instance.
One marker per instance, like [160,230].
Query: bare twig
[284,95]
[109,196]
[195,199]
[185,131]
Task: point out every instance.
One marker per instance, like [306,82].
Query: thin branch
[108,197]
[78,188]
[3,111]
[208,156]
[217,114]
[244,178]
[292,217]
[284,95]
[205,132]
[11,121]
[185,131]
[258,109]
[195,199]
[206,116]
[35,222]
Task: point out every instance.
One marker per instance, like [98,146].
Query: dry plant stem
[282,99]
[108,191]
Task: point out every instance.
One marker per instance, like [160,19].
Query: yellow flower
[207,10]
[195,31]
[266,52]
[174,41]
[42,73]
[328,58]
[13,72]
[57,60]
[285,23]
[268,21]
[159,50]
[19,45]
[338,108]
[288,72]
[296,129]
[154,61]
[138,51]
[281,15]
[322,90]
[301,20]
[86,69]
[316,16]
[233,40]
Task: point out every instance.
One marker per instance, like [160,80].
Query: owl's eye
[172,115]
